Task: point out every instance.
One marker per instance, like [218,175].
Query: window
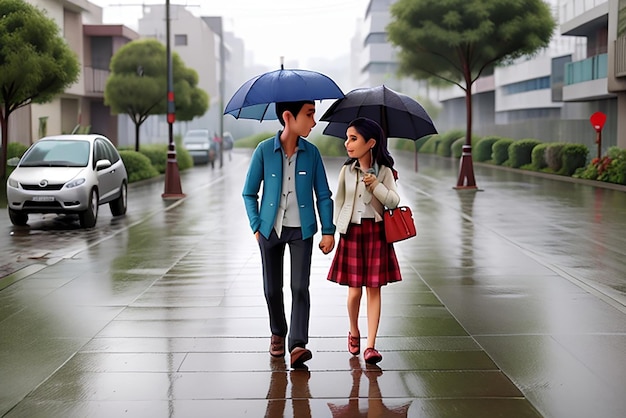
[180,40]
[376,38]
[527,85]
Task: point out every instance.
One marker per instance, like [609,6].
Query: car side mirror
[102,164]
[13,162]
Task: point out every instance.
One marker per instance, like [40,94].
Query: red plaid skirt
[363,257]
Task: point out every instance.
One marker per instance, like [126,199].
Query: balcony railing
[593,68]
[620,57]
[95,80]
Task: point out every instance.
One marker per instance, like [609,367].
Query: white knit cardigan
[384,194]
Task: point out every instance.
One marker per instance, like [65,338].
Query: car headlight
[75,183]
[13,183]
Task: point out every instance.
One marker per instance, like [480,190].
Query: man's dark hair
[292,107]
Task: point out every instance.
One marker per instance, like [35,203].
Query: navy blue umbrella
[255,99]
[399,115]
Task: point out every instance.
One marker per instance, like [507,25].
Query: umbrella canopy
[255,99]
[399,115]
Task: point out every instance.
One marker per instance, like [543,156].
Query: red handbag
[399,224]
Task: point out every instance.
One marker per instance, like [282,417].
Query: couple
[291,170]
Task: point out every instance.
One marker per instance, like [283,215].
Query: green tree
[458,40]
[197,102]
[137,85]
[36,64]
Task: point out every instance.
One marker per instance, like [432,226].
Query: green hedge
[482,150]
[554,156]
[538,157]
[574,157]
[138,166]
[500,151]
[444,148]
[520,152]
[457,148]
[16,149]
[402,144]
[431,144]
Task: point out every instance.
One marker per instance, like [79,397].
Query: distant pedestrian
[291,170]
[367,184]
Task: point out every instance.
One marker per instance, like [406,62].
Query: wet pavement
[512,305]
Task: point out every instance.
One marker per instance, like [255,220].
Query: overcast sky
[297,29]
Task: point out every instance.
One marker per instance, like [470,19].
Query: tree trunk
[4,121]
[137,126]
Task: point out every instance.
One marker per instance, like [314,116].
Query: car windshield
[58,153]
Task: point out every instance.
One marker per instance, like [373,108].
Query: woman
[367,184]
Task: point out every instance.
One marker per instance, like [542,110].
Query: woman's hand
[369,179]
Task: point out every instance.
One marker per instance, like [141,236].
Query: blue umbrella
[255,99]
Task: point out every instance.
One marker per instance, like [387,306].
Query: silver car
[68,174]
[200,145]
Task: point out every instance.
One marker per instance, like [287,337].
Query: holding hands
[327,243]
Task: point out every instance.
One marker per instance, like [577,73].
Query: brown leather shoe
[277,346]
[299,355]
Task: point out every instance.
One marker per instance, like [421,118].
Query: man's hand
[327,243]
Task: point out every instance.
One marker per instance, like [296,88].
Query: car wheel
[118,206]
[88,217]
[18,218]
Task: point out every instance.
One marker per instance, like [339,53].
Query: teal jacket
[267,167]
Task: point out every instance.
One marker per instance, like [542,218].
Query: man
[291,170]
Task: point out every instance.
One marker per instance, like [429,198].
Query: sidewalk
[512,305]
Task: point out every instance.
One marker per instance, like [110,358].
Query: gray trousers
[272,256]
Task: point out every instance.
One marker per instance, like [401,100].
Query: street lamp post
[173,189]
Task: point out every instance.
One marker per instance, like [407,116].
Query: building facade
[375,58]
[81,107]
[549,96]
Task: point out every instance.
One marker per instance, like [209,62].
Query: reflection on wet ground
[510,307]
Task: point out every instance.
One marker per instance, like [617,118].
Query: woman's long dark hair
[370,129]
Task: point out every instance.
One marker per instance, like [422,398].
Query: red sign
[597,120]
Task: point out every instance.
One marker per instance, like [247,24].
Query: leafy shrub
[16,149]
[590,172]
[554,156]
[447,139]
[500,151]
[610,168]
[431,144]
[457,148]
[574,156]
[157,154]
[616,172]
[538,157]
[482,150]
[138,166]
[183,158]
[402,144]
[520,152]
